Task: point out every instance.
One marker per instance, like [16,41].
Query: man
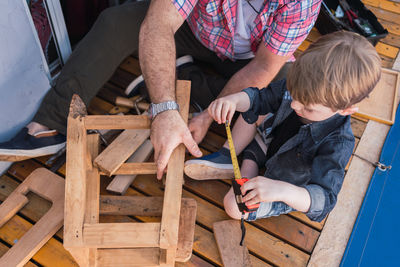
[246,41]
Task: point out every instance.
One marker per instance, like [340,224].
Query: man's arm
[157,61]
[259,72]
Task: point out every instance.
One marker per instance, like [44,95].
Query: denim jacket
[315,158]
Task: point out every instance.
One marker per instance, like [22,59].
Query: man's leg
[113,37]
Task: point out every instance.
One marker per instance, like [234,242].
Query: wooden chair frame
[127,244]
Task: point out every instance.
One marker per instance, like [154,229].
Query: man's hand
[168,130]
[199,125]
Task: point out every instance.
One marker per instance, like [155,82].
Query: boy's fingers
[247,186]
[249,196]
[224,113]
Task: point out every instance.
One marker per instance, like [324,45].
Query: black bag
[367,24]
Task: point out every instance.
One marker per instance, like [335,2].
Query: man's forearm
[157,50]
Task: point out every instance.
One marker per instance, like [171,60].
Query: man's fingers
[191,145]
[162,161]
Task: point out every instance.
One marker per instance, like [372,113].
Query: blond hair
[338,70]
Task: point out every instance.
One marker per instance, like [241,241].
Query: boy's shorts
[268,209]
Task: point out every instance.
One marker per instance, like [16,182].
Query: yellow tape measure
[236,169]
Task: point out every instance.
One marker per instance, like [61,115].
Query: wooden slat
[135,256]
[120,150]
[75,184]
[228,235]
[136,168]
[50,253]
[121,235]
[131,65]
[115,122]
[120,183]
[173,184]
[131,205]
[384,4]
[387,50]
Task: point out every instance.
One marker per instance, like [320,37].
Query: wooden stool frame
[127,244]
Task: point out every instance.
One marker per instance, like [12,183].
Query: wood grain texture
[120,150]
[116,122]
[49,186]
[75,181]
[120,183]
[228,235]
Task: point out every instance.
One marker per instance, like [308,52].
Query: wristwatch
[155,109]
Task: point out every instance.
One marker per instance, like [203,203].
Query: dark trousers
[113,37]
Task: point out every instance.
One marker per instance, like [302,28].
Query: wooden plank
[115,122]
[187,221]
[387,50]
[173,183]
[228,235]
[128,257]
[85,256]
[120,150]
[384,4]
[50,253]
[131,65]
[75,184]
[136,168]
[131,205]
[93,182]
[120,183]
[381,104]
[121,235]
[47,185]
[333,239]
[4,248]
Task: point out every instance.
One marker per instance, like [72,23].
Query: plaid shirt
[282,25]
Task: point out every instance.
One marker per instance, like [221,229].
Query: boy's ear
[348,111]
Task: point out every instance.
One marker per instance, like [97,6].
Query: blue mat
[375,240]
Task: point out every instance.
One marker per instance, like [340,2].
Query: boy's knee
[231,207]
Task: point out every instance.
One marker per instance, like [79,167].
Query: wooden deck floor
[287,240]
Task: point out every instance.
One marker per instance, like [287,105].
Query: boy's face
[313,112]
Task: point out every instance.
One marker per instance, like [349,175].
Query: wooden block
[120,149]
[49,186]
[121,235]
[120,183]
[75,180]
[228,235]
[382,103]
[115,122]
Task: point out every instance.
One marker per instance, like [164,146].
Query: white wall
[23,76]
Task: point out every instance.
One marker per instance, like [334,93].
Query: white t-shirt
[244,23]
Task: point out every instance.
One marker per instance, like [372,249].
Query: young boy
[305,140]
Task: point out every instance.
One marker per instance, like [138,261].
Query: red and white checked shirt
[282,25]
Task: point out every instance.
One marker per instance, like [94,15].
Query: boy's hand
[263,190]
[222,109]
[267,190]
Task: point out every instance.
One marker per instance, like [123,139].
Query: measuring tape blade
[235,163]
